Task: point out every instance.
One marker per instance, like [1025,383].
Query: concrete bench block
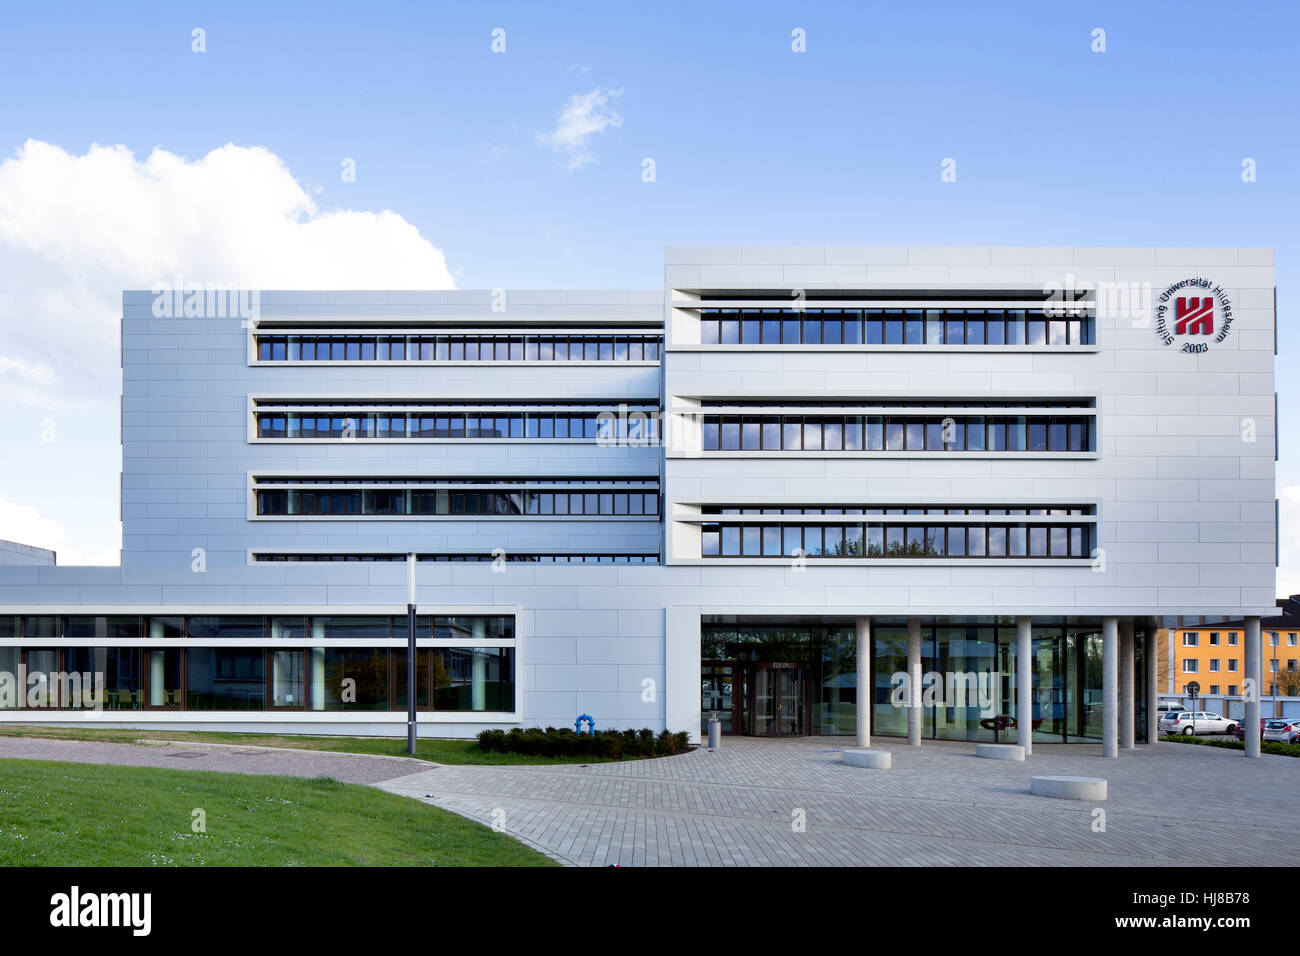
[1069,788]
[1000,751]
[871,759]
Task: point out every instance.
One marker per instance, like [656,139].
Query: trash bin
[715,733]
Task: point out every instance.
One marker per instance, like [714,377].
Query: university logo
[1196,321]
[1196,312]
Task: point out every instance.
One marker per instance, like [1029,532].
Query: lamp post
[1276,639]
[410,658]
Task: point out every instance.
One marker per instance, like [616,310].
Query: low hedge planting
[562,742]
[1265,746]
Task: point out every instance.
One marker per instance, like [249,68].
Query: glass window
[894,436]
[356,678]
[43,626]
[349,627]
[473,678]
[227,626]
[225,678]
[875,327]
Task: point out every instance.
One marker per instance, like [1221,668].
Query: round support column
[1110,687]
[914,681]
[1254,685]
[1127,698]
[1025,683]
[865,698]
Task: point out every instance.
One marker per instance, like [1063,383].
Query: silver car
[1282,730]
[1195,722]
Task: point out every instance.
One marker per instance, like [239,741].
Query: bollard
[715,733]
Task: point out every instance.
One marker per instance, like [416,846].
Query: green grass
[439,751]
[65,814]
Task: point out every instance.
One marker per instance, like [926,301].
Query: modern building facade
[942,493]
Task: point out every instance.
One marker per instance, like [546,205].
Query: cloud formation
[583,116]
[77,230]
[26,525]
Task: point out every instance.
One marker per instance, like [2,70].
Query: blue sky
[753,143]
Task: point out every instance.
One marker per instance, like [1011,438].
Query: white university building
[922,493]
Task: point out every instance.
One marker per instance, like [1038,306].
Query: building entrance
[775,702]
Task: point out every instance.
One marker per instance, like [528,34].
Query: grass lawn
[66,814]
[439,751]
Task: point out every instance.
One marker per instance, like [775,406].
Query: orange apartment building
[1214,655]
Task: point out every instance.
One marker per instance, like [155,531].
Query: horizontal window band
[623,347]
[331,557]
[437,326]
[608,424]
[794,520]
[917,327]
[841,540]
[456,481]
[236,625]
[478,505]
[960,302]
[481,407]
[575,488]
[900,411]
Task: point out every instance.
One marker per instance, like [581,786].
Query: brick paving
[1169,804]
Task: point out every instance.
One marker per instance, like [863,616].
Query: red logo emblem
[1194,314]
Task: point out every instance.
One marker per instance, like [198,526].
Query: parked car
[1239,731]
[1195,722]
[1165,706]
[1282,730]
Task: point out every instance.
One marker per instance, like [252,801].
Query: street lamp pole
[410,659]
[1276,638]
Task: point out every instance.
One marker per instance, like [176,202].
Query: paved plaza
[1169,804]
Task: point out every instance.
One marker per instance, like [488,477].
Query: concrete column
[914,681]
[866,699]
[1025,683]
[157,678]
[1110,687]
[1153,682]
[478,685]
[478,673]
[1127,699]
[317,692]
[1254,685]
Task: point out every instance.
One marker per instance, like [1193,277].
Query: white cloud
[77,230]
[584,115]
[25,381]
[26,525]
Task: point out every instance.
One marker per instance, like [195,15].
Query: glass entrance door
[777,702]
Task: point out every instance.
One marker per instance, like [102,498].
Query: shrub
[1265,746]
[564,742]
